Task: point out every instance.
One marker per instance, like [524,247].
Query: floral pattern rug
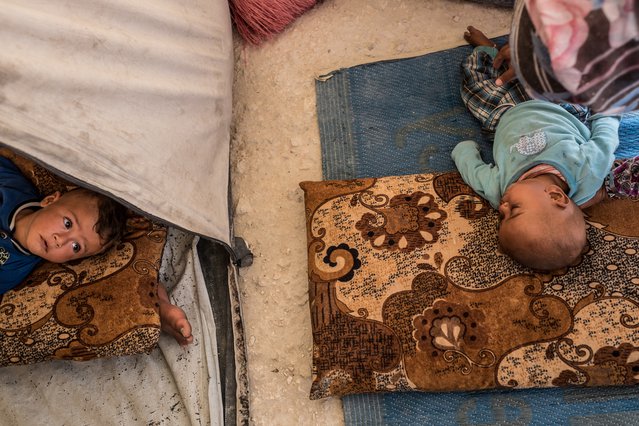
[408,291]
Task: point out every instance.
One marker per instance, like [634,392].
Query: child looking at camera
[60,228]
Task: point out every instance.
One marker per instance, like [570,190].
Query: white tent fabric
[130,98]
[170,386]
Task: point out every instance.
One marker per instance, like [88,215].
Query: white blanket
[171,386]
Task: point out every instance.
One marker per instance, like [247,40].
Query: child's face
[540,226]
[522,203]
[63,229]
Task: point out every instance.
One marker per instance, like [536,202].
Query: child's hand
[504,56]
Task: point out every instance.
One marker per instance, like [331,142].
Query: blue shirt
[539,132]
[16,193]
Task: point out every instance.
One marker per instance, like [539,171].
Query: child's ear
[558,196]
[50,199]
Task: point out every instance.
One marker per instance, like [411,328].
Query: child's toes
[185,332]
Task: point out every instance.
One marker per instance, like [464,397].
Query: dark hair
[556,242]
[111,223]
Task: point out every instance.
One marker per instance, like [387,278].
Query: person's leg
[480,93]
[173,319]
[476,38]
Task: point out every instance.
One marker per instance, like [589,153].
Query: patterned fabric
[623,180]
[486,101]
[588,57]
[101,306]
[408,291]
[483,98]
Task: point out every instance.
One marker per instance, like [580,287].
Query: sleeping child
[60,228]
[548,163]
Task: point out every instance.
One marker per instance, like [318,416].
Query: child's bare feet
[173,319]
[476,38]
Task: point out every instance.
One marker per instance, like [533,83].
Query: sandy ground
[276,145]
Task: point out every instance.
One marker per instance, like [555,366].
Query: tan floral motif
[353,263]
[406,222]
[447,326]
[447,333]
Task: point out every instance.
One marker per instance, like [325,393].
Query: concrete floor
[276,145]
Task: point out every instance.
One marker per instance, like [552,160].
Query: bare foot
[476,38]
[173,319]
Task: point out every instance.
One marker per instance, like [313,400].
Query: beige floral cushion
[409,291]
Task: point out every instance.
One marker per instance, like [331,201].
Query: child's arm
[605,135]
[480,176]
[600,150]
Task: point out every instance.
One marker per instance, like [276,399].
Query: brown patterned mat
[408,291]
[101,306]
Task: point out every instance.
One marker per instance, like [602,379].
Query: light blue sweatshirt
[539,132]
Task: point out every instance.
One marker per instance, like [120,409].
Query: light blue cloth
[539,132]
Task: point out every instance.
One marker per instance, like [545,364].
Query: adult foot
[476,38]
[173,319]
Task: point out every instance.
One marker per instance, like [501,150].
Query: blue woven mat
[402,117]
[583,407]
[405,116]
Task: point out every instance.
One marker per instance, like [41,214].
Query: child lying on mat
[548,164]
[60,228]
